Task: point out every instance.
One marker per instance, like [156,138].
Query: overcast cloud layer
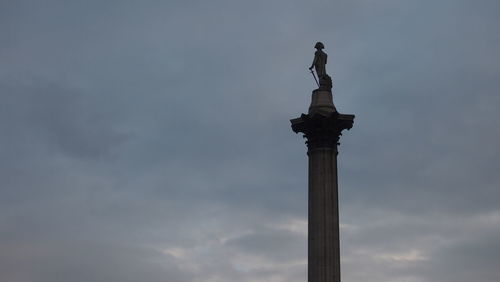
[150,140]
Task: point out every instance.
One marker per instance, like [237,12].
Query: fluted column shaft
[323,239]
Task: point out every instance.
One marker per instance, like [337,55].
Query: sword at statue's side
[315,79]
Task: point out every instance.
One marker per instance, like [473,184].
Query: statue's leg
[321,71]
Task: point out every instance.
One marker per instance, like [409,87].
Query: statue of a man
[319,62]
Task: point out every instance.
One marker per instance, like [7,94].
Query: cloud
[83,261]
[151,141]
[58,117]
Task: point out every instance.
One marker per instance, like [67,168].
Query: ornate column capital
[322,129]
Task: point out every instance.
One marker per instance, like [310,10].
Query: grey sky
[150,140]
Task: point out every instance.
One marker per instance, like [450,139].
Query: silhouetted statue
[319,64]
[320,58]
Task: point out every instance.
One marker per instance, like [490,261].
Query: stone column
[322,127]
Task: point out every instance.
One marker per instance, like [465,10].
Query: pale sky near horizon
[150,140]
